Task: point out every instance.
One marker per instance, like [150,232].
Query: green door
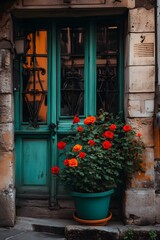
[69,68]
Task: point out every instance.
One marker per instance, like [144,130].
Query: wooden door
[69,68]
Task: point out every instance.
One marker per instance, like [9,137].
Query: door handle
[52,127]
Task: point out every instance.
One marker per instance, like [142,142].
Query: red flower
[108,134]
[55,170]
[66,162]
[127,128]
[91,142]
[61,145]
[106,144]
[82,155]
[76,119]
[113,127]
[79,129]
[139,134]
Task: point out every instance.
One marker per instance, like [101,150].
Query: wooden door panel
[32,170]
[35,159]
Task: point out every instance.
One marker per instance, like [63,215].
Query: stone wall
[7,190]
[139,107]
[141,204]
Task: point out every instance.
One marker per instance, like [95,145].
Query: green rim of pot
[99,194]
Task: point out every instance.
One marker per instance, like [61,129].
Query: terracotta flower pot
[101,222]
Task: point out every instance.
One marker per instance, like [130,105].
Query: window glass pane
[36,42]
[34,78]
[72,71]
[107,68]
[41,42]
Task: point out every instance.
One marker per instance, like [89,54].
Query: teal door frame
[63,124]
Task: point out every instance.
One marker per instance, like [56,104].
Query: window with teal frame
[90,67]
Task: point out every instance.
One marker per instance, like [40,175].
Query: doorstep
[72,230]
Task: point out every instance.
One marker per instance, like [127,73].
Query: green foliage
[112,156]
[153,234]
[129,235]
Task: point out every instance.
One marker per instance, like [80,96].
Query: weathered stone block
[131,3]
[157,207]
[157,176]
[148,4]
[141,105]
[5,26]
[141,20]
[141,233]
[5,62]
[6,137]
[7,207]
[6,170]
[6,82]
[146,179]
[141,49]
[52,3]
[126,56]
[140,79]
[6,108]
[145,127]
[139,206]
[91,233]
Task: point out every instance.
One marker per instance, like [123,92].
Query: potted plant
[98,155]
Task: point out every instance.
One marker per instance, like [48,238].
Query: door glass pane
[107,68]
[34,77]
[72,71]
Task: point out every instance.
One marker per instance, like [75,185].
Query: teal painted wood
[58,62]
[32,166]
[53,109]
[32,149]
[35,156]
[16,110]
[92,70]
[39,143]
[18,156]
[86,72]
[121,67]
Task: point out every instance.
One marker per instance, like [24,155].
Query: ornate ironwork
[107,87]
[72,91]
[33,97]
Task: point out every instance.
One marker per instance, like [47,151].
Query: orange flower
[77,148]
[127,128]
[89,120]
[73,162]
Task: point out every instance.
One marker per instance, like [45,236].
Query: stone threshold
[72,230]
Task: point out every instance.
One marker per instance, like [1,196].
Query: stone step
[71,230]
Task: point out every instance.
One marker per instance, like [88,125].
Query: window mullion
[92,69]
